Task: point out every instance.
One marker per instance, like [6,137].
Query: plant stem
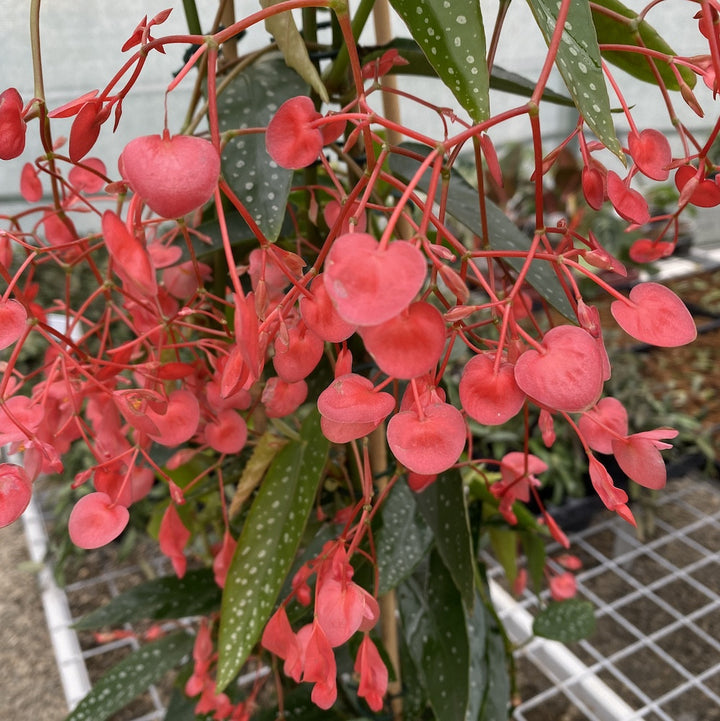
[192,18]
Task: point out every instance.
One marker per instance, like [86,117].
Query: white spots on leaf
[461,20]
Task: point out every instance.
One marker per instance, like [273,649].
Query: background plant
[294,315]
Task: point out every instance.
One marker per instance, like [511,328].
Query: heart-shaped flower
[370,284]
[651,152]
[654,314]
[12,125]
[297,354]
[96,520]
[490,397]
[703,193]
[179,421]
[13,318]
[351,398]
[430,442]
[603,424]
[629,204]
[566,374]
[408,345]
[227,433]
[320,315]
[15,493]
[294,137]
[281,399]
[173,175]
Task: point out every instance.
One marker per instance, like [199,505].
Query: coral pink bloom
[88,178]
[563,586]
[223,558]
[593,187]
[332,211]
[370,284]
[13,319]
[654,314]
[281,399]
[173,538]
[615,499]
[15,493]
[227,433]
[488,397]
[124,486]
[12,125]
[428,442]
[639,457]
[418,482]
[20,417]
[566,374]
[134,405]
[173,175]
[294,137]
[278,638]
[703,193]
[320,314]
[629,204]
[179,421]
[351,398]
[86,128]
[651,152]
[320,668]
[517,472]
[186,278]
[603,424]
[296,357]
[408,345]
[342,607]
[131,260]
[30,185]
[96,520]
[373,674]
[646,250]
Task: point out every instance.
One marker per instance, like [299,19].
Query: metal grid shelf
[657,602]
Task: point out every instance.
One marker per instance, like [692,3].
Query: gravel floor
[29,683]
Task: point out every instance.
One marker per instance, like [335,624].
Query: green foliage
[452,36]
[566,621]
[133,675]
[268,544]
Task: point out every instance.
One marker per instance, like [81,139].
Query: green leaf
[442,504]
[452,36]
[534,548]
[463,204]
[196,594]
[565,621]
[133,675]
[267,545]
[504,545]
[578,60]
[489,698]
[612,30]
[500,79]
[182,708]
[403,539]
[249,101]
[282,27]
[434,628]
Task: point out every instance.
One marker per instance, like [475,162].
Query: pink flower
[373,674]
[12,125]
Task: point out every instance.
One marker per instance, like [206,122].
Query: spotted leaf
[267,546]
[578,60]
[452,36]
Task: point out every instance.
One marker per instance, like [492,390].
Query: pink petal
[95,520]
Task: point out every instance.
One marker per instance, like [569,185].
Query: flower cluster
[377,311]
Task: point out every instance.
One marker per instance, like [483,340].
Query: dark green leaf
[182,708]
[434,628]
[463,204]
[637,32]
[452,36]
[133,675]
[489,680]
[578,60]
[403,539]
[196,594]
[534,548]
[442,504]
[504,545]
[249,101]
[500,79]
[565,621]
[268,544]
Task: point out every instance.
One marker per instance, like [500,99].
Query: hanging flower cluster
[168,367]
